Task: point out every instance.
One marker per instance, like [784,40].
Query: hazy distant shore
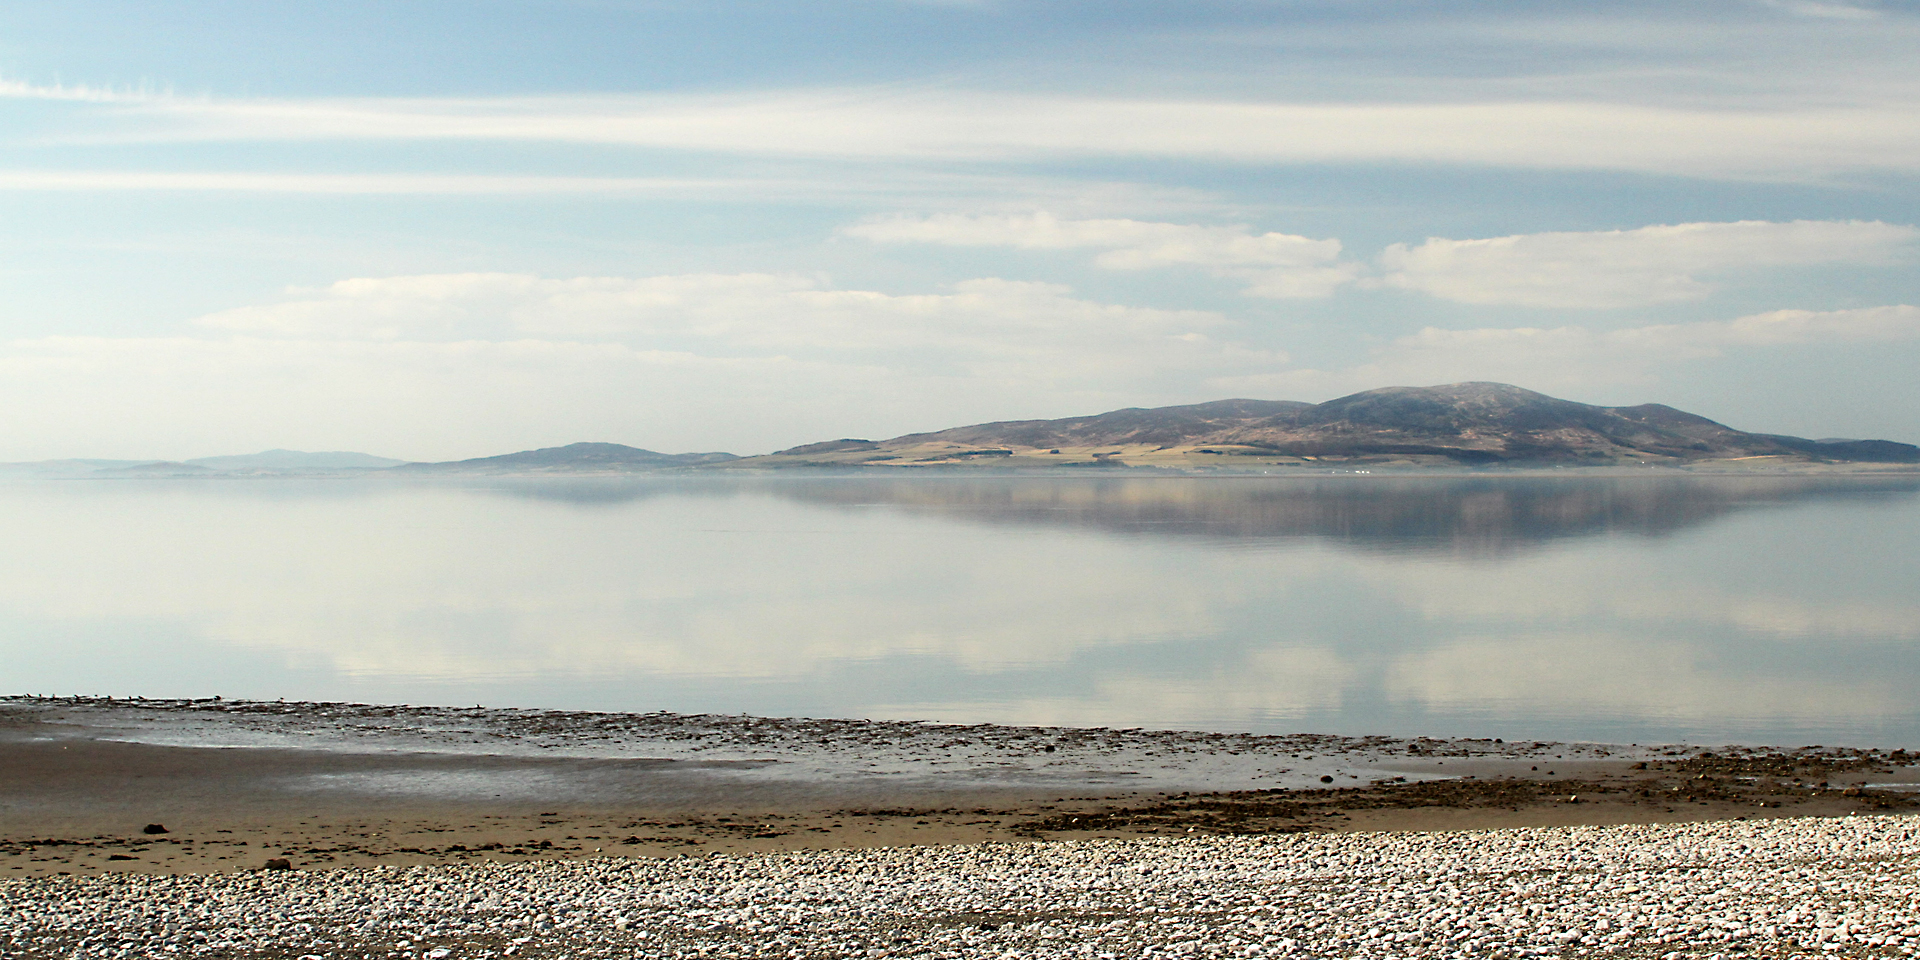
[331,785]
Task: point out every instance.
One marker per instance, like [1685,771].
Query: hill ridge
[1473,423]
[571,458]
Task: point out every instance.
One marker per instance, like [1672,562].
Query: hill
[295,461]
[1455,424]
[574,458]
[268,463]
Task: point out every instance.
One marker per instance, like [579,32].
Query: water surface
[1649,608]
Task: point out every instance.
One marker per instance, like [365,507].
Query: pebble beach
[286,831]
[1808,887]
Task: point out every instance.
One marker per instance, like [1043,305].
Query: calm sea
[1775,610]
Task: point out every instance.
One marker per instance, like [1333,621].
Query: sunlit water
[1782,610]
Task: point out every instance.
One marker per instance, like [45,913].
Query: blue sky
[434,230]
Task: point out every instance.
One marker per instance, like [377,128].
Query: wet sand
[235,785]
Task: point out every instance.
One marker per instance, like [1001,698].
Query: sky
[435,230]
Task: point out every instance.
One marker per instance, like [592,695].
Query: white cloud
[1628,594]
[984,327]
[1612,675]
[1824,11]
[1292,682]
[1522,346]
[813,186]
[699,609]
[1791,140]
[1626,268]
[1569,360]
[1611,268]
[1272,264]
[22,90]
[1619,635]
[376,183]
[1786,327]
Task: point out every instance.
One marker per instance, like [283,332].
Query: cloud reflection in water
[1630,608]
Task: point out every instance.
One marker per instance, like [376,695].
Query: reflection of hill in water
[1474,516]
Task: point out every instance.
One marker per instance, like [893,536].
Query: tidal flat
[329,785]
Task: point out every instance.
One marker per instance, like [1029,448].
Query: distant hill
[295,461]
[62,469]
[570,459]
[1455,424]
[577,458]
[265,463]
[157,468]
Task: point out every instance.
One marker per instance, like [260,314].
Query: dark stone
[279,863]
[153,828]
[120,856]
[1326,779]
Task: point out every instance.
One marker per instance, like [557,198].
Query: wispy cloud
[1627,268]
[1572,360]
[1593,269]
[989,328]
[1667,343]
[380,183]
[1271,264]
[83,93]
[1824,11]
[891,186]
[1785,142]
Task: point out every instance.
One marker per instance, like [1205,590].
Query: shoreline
[328,786]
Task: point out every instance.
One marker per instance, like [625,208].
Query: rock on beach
[1781,888]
